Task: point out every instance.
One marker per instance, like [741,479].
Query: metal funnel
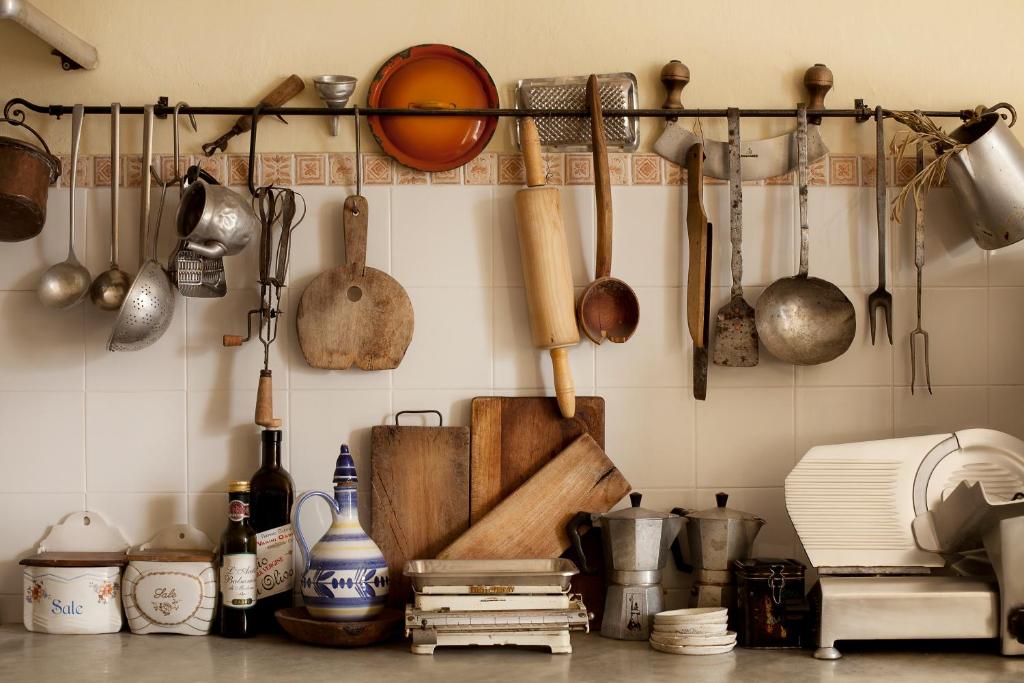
[334,90]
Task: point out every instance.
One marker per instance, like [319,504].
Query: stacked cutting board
[506,494]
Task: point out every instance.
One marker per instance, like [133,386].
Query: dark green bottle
[273,494]
[238,566]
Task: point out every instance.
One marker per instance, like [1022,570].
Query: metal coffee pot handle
[677,547]
[581,519]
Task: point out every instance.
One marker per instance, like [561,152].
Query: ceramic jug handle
[677,547]
[303,546]
[573,529]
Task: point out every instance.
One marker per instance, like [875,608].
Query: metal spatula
[735,329]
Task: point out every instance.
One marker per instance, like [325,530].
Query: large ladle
[608,307]
[111,286]
[66,283]
[804,320]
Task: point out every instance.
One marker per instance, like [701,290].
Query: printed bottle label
[238,580]
[237,510]
[275,572]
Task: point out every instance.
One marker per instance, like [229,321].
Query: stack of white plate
[694,631]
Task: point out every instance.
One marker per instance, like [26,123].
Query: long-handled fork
[880,298]
[919,263]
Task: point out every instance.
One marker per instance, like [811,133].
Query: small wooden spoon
[608,307]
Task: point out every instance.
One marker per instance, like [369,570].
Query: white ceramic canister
[73,582]
[170,585]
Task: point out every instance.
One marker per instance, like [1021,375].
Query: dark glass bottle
[237,566]
[273,493]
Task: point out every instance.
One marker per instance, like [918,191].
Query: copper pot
[26,173]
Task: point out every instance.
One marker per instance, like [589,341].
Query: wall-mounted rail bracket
[74,53]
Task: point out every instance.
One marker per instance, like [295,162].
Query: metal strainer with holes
[147,311]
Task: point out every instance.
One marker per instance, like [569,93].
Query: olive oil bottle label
[275,572]
[238,580]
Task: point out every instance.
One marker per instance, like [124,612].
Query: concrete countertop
[125,657]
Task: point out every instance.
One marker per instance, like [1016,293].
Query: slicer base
[903,607]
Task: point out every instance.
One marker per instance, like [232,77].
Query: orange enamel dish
[433,77]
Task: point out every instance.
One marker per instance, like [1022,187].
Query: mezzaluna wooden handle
[674,76]
[818,80]
[602,180]
[265,402]
[529,140]
[565,389]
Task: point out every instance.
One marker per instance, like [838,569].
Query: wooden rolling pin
[546,271]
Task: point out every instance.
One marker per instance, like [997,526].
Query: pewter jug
[213,220]
[988,178]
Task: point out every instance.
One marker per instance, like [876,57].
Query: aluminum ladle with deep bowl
[804,320]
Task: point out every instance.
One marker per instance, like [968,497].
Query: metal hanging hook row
[861,112]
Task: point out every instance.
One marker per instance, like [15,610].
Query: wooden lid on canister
[70,559]
[158,555]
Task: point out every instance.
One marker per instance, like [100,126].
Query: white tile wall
[152,438]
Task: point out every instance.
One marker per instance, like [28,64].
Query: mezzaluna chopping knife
[767,158]
[698,272]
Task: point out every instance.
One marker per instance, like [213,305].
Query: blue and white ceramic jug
[345,576]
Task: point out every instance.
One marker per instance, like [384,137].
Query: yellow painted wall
[900,53]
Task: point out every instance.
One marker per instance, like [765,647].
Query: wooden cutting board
[514,437]
[354,313]
[419,494]
[530,523]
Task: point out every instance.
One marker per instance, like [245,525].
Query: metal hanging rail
[861,112]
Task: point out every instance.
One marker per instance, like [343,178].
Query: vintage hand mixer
[274,205]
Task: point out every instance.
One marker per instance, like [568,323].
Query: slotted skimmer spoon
[148,309]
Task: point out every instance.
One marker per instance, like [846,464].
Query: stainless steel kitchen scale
[493,602]
[914,538]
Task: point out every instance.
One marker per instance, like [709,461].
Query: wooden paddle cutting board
[513,437]
[419,494]
[530,523]
[354,313]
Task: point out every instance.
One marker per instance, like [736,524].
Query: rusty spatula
[735,331]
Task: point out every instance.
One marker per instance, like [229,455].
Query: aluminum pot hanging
[26,173]
[988,178]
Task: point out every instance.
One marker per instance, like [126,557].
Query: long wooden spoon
[608,307]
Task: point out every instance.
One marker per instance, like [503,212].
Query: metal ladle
[65,284]
[804,320]
[111,286]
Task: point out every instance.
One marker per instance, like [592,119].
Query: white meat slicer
[914,538]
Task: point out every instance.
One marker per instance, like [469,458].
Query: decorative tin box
[170,585]
[73,582]
[770,598]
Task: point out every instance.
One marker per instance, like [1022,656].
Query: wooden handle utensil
[265,402]
[286,90]
[546,271]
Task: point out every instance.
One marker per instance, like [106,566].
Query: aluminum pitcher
[988,178]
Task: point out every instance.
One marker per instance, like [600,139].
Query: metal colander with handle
[148,309]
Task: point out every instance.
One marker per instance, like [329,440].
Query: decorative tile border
[490,168]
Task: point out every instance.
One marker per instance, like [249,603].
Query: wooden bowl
[302,627]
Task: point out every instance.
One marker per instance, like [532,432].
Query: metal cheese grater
[197,276]
[565,134]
